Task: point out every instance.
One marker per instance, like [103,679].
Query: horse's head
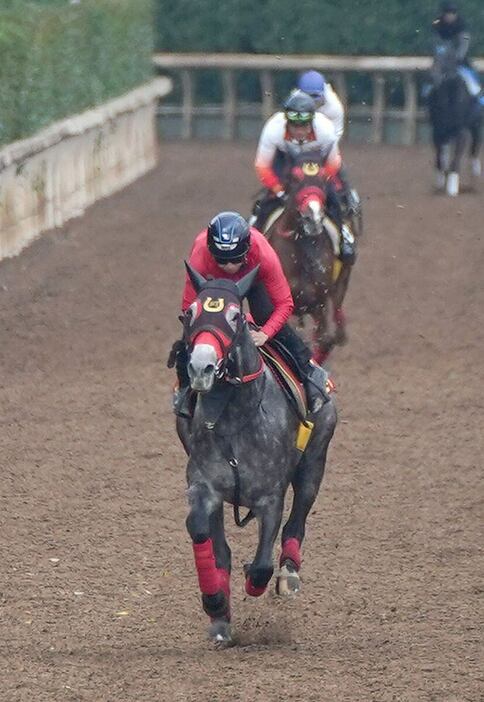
[307,193]
[213,325]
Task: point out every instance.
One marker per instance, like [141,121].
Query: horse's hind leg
[476,140]
[306,486]
[322,338]
[212,559]
[260,571]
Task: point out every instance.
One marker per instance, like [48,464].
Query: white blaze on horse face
[201,367]
[314,206]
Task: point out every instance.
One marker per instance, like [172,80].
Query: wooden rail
[337,68]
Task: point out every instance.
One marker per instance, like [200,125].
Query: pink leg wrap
[291,549]
[252,590]
[339,317]
[208,575]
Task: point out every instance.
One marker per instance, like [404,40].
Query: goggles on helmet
[299,117]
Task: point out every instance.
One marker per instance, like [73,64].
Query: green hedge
[60,57]
[353,27]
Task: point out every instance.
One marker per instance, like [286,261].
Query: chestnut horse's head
[306,190]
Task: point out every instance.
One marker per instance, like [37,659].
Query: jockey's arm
[462,43]
[333,109]
[266,152]
[332,165]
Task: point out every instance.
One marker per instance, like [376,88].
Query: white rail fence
[337,68]
[57,173]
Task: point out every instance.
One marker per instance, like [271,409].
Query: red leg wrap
[252,590]
[224,582]
[208,575]
[292,550]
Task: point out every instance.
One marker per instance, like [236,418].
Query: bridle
[229,368]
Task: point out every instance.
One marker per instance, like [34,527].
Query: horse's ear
[245,283]
[197,278]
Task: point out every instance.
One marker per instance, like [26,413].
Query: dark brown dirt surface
[98,595]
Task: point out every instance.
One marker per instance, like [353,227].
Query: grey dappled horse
[241,450]
[455,116]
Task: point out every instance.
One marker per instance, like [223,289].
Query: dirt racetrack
[98,595]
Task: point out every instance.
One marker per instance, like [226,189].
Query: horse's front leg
[323,340]
[442,161]
[212,558]
[453,179]
[306,486]
[259,572]
[338,294]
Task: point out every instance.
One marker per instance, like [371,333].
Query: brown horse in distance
[307,242]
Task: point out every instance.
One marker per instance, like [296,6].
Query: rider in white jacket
[328,103]
[296,130]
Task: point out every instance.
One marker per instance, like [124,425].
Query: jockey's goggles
[223,261]
[299,117]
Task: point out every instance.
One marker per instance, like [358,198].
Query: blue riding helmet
[448,7]
[313,83]
[228,237]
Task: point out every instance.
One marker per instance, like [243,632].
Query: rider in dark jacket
[450,32]
[450,26]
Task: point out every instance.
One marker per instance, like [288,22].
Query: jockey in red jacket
[230,248]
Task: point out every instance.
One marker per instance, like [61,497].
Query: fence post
[230,104]
[410,118]
[187,106]
[267,90]
[378,108]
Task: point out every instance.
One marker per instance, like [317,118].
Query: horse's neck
[248,353]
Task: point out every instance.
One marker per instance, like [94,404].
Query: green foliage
[351,27]
[59,58]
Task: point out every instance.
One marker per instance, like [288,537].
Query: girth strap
[225,447]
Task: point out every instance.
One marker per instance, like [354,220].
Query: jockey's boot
[182,402]
[347,245]
[353,203]
[315,386]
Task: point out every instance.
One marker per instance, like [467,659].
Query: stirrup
[348,245]
[315,386]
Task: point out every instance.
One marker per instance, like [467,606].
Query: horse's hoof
[440,180]
[453,184]
[288,582]
[220,634]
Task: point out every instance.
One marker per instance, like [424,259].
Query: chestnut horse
[307,241]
